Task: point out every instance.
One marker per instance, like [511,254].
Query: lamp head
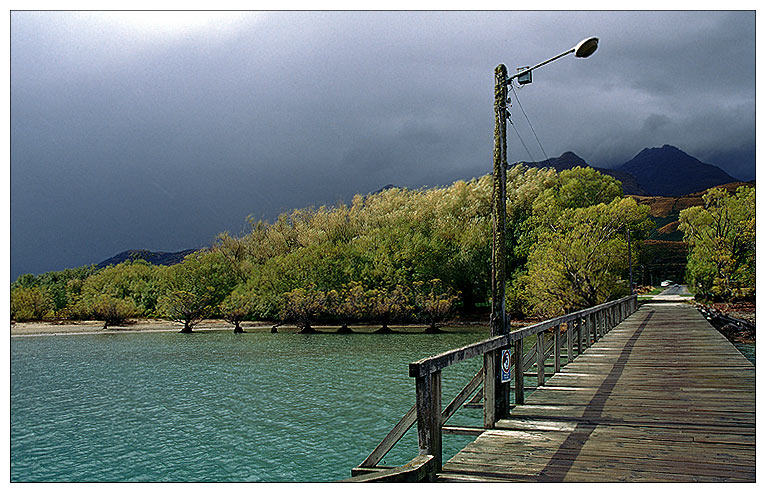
[586,47]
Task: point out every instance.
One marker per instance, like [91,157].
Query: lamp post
[498,322]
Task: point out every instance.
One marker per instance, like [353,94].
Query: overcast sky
[159,130]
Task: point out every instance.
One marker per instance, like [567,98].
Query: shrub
[114,311]
[31,303]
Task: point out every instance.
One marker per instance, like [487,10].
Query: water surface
[217,406]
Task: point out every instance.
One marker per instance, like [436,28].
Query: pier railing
[575,331]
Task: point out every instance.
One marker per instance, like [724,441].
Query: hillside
[663,255]
[664,210]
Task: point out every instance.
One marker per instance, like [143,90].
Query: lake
[215,406]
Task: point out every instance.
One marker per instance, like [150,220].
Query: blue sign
[505,366]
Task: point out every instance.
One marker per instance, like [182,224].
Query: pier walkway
[661,397]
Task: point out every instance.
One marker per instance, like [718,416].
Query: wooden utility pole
[497,320]
[499,395]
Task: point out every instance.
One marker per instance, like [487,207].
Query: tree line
[398,255]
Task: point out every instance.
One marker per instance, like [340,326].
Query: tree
[113,311]
[137,281]
[237,307]
[195,287]
[184,307]
[721,237]
[581,256]
[56,283]
[349,304]
[435,303]
[387,305]
[31,303]
[303,306]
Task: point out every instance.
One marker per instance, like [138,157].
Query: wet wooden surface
[662,397]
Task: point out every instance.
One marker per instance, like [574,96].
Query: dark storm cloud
[126,136]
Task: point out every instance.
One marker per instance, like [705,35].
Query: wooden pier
[654,394]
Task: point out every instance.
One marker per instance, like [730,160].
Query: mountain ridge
[156,258]
[655,171]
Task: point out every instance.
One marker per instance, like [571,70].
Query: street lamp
[498,323]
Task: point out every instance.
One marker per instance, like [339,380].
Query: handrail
[582,327]
[440,361]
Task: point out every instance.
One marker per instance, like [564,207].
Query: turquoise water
[747,349]
[215,406]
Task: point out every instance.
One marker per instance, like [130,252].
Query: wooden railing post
[428,394]
[570,342]
[540,358]
[602,322]
[490,390]
[557,348]
[518,371]
[592,321]
[579,336]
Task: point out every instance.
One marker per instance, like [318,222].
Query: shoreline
[94,327]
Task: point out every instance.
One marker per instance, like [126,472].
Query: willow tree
[581,257]
[721,237]
[194,288]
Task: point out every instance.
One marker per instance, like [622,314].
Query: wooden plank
[421,468]
[463,430]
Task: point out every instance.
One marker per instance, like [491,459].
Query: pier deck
[662,397]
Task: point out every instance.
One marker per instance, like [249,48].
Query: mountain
[156,258]
[669,171]
[570,160]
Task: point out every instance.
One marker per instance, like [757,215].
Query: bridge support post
[428,395]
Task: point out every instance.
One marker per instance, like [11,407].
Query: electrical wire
[529,122]
[531,159]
